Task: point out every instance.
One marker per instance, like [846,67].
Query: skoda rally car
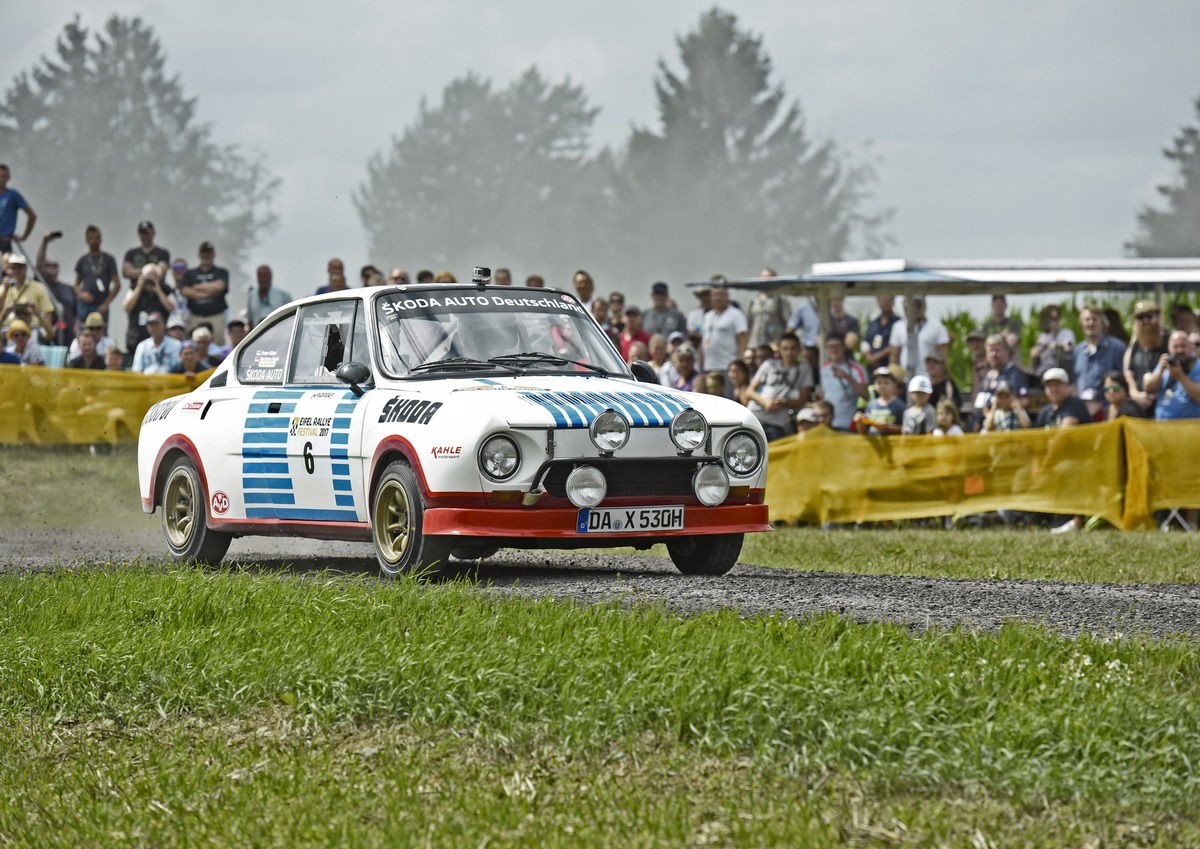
[449,420]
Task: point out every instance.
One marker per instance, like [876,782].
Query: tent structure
[981,277]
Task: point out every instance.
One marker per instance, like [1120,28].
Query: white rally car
[449,420]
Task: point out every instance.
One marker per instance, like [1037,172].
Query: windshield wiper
[462,364]
[533,357]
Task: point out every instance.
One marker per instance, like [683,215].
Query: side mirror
[353,374]
[643,371]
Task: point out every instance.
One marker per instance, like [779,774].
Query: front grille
[628,477]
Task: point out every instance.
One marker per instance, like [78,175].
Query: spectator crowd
[792,368]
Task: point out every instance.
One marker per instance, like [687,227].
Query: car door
[324,431]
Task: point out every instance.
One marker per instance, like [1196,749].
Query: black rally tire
[397,516]
[705,555]
[185,518]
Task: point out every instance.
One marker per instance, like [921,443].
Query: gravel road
[917,603]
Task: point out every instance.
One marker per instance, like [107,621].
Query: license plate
[629,520]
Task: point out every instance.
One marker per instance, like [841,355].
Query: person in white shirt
[916,335]
[724,332]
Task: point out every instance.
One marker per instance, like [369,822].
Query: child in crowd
[885,412]
[920,418]
[1004,411]
[948,421]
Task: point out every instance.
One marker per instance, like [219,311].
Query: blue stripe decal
[341,469]
[264,452]
[279,394]
[264,468]
[344,408]
[266,408]
[339,438]
[339,454]
[268,436]
[344,500]
[341,424]
[266,423]
[341,485]
[318,515]
[578,409]
[269,498]
[266,483]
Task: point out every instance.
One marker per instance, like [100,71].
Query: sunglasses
[18,335]
[1110,389]
[1147,316]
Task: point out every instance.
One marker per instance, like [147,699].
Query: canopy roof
[981,277]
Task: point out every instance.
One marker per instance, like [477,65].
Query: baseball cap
[976,334]
[206,246]
[685,350]
[17,326]
[1145,308]
[808,414]
[1004,388]
[1059,374]
[633,309]
[675,336]
[883,371]
[920,383]
[702,290]
[94,319]
[175,320]
[189,345]
[659,288]
[153,317]
[145,225]
[179,265]
[16,259]
[936,355]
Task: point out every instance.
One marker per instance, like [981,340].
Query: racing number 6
[310,464]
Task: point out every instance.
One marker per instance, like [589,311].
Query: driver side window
[323,342]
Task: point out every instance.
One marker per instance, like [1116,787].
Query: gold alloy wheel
[179,509]
[393,521]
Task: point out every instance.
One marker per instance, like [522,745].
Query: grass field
[152,707]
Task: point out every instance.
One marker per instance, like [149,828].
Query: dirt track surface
[918,603]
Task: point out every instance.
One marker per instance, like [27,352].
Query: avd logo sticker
[220,502]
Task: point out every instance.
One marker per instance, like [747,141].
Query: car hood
[570,401]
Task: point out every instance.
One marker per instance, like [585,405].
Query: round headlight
[711,485]
[742,453]
[499,457]
[609,431]
[586,486]
[688,430]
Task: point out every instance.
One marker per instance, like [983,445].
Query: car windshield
[473,330]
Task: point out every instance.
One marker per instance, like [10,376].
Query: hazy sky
[999,129]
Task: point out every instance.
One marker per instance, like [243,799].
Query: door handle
[274,407]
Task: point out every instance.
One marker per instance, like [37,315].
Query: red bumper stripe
[560,524]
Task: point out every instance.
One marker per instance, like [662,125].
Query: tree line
[727,178]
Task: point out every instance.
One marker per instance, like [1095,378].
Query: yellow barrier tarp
[1164,468]
[63,406]
[824,476]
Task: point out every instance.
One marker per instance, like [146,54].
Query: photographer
[63,292]
[149,295]
[1176,379]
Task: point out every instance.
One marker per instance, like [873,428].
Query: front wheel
[397,517]
[184,518]
[705,555]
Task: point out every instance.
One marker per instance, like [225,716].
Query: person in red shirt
[633,331]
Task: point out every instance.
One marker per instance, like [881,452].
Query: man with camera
[1176,379]
[149,296]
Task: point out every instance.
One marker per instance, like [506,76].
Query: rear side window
[265,358]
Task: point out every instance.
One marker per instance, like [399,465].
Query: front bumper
[560,523]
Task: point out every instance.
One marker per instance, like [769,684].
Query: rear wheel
[705,555]
[397,516]
[184,518]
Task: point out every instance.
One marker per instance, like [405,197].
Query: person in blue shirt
[11,201]
[1098,353]
[1176,380]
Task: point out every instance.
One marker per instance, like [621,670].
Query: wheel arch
[172,449]
[395,448]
